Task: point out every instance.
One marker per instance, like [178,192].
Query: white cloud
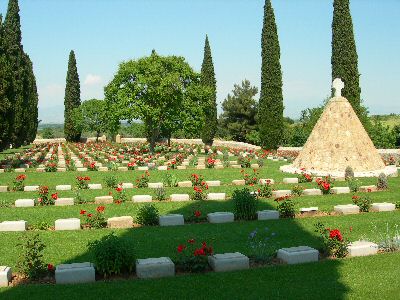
[92,79]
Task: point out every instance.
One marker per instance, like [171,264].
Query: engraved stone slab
[120,222]
[213,182]
[143,168]
[383,206]
[171,220]
[367,188]
[216,196]
[180,197]
[312,192]
[5,276]
[75,273]
[103,199]
[127,185]
[362,248]
[24,203]
[155,185]
[162,168]
[63,187]
[184,184]
[347,209]
[239,182]
[228,262]
[95,186]
[268,215]
[266,181]
[155,267]
[340,190]
[281,193]
[290,180]
[3,189]
[298,255]
[68,224]
[220,217]
[64,202]
[31,188]
[142,198]
[13,225]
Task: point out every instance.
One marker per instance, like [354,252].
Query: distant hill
[389,120]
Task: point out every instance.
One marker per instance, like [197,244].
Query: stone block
[127,185]
[3,189]
[63,187]
[181,167]
[162,168]
[291,180]
[218,166]
[268,215]
[61,169]
[239,182]
[200,167]
[103,200]
[155,267]
[309,210]
[40,170]
[19,170]
[281,193]
[81,169]
[213,182]
[155,185]
[298,255]
[233,162]
[68,224]
[228,262]
[75,273]
[347,209]
[123,169]
[383,206]
[184,184]
[103,169]
[64,202]
[24,203]
[5,276]
[266,181]
[13,225]
[143,168]
[180,197]
[254,166]
[312,192]
[367,188]
[220,217]
[95,186]
[142,198]
[236,166]
[120,222]
[362,248]
[340,190]
[171,220]
[216,196]
[31,188]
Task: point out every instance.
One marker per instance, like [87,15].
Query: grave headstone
[155,267]
[229,262]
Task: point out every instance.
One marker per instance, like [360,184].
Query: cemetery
[185,212]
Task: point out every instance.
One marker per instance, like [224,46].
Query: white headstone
[338,85]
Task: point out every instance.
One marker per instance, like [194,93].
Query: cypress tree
[5,93]
[31,95]
[270,110]
[14,55]
[72,100]
[344,54]
[210,108]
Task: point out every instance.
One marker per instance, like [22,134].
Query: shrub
[265,191]
[398,205]
[297,190]
[348,173]
[120,195]
[160,194]
[286,207]
[260,162]
[111,181]
[112,255]
[197,180]
[18,183]
[170,180]
[79,198]
[245,204]
[91,166]
[147,215]
[333,242]
[82,182]
[382,183]
[364,202]
[210,162]
[51,166]
[260,246]
[304,177]
[41,226]
[193,258]
[143,180]
[96,220]
[325,184]
[44,198]
[196,217]
[225,156]
[199,193]
[30,261]
[250,179]
[244,161]
[353,184]
[388,241]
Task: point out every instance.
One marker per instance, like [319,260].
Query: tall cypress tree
[344,54]
[270,109]
[210,108]
[72,99]
[31,95]
[14,54]
[5,93]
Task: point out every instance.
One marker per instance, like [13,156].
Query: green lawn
[356,278]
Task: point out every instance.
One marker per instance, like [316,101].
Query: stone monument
[339,140]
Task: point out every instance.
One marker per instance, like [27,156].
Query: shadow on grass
[307,281]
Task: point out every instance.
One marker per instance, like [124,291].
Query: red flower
[191,241]
[89,215]
[54,196]
[100,209]
[50,267]
[83,212]
[118,202]
[181,248]
[197,213]
[119,189]
[335,234]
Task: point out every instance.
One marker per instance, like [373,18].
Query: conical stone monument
[339,140]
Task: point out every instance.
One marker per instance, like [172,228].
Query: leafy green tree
[210,105]
[240,111]
[270,109]
[91,116]
[72,100]
[156,90]
[344,55]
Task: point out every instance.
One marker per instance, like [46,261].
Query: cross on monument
[338,85]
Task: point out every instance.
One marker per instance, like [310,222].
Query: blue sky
[105,32]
